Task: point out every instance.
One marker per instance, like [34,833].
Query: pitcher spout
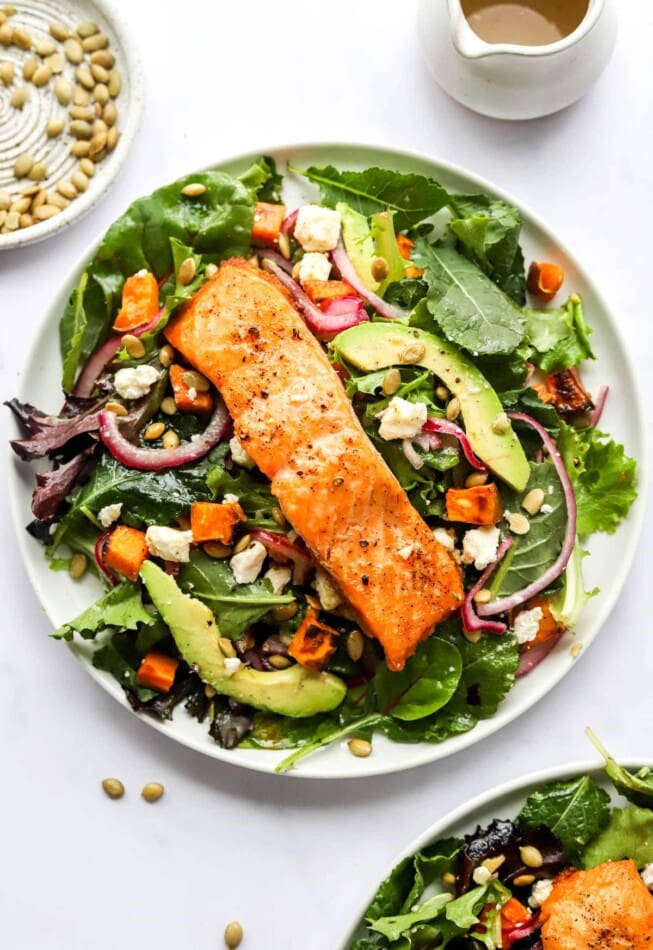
[465,41]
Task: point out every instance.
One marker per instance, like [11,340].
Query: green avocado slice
[295,692]
[373,346]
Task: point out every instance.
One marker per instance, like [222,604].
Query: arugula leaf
[559,337]
[628,834]
[236,606]
[426,684]
[531,554]
[121,607]
[75,321]
[263,180]
[411,197]
[467,307]
[488,231]
[217,223]
[574,811]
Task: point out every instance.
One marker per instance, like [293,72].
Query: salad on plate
[572,869]
[334,464]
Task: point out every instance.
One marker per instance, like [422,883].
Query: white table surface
[291,859]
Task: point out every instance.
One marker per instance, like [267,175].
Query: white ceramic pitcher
[509,81]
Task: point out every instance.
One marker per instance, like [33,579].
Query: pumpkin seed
[100,73]
[116,408]
[10,9]
[136,349]
[45,47]
[101,94]
[493,864]
[153,791]
[355,644]
[453,409]
[55,62]
[82,112]
[53,198]
[523,880]
[63,90]
[193,189]
[5,199]
[531,856]
[170,439]
[19,97]
[442,393]
[99,125]
[82,97]
[391,381]
[500,424]
[81,129]
[12,221]
[185,275]
[361,748]
[59,32]
[104,58]
[30,66]
[576,649]
[39,171]
[154,431]
[79,561]
[448,879]
[284,612]
[6,34]
[88,167]
[7,72]
[3,217]
[518,523]
[39,199]
[227,647]
[196,381]
[113,787]
[115,83]
[280,662]
[46,211]
[54,127]
[217,550]
[84,78]
[98,144]
[79,180]
[283,243]
[80,148]
[242,544]
[413,353]
[42,76]
[166,356]
[472,636]
[87,28]
[484,596]
[67,189]
[233,935]
[533,501]
[379,269]
[23,165]
[279,517]
[26,220]
[110,113]
[112,138]
[168,406]
[210,691]
[30,189]
[22,38]
[73,51]
[21,204]
[92,43]
[476,479]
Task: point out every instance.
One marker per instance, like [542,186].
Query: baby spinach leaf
[467,307]
[263,180]
[628,834]
[488,232]
[575,811]
[531,554]
[252,489]
[121,607]
[411,197]
[559,337]
[527,400]
[236,606]
[427,682]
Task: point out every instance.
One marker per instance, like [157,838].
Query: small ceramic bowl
[23,129]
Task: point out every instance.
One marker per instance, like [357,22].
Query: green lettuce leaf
[559,337]
[575,811]
[411,197]
[393,927]
[466,306]
[628,834]
[121,607]
[263,180]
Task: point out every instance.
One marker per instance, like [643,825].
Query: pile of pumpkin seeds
[76,66]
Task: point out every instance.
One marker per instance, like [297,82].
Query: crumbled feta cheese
[327,592]
[406,552]
[540,892]
[171,544]
[143,272]
[317,229]
[480,546]
[192,393]
[314,266]
[230,499]
[445,537]
[238,453]
[402,419]
[278,576]
[231,665]
[546,509]
[526,624]
[550,489]
[110,513]
[246,565]
[647,876]
[132,382]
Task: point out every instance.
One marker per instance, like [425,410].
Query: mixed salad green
[486,889]
[437,265]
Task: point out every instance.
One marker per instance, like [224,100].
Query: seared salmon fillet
[292,416]
[606,908]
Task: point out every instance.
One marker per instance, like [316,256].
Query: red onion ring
[504,604]
[413,457]
[98,360]
[524,929]
[280,545]
[289,222]
[471,620]
[98,554]
[450,428]
[267,254]
[348,307]
[153,460]
[599,406]
[321,324]
[348,272]
[534,656]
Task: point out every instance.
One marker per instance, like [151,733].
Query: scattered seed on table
[59,31]
[23,165]
[153,791]
[233,935]
[19,97]
[361,748]
[113,787]
[7,73]
[73,51]
[63,91]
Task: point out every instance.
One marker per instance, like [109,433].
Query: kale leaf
[559,337]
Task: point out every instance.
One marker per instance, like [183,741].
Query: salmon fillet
[292,416]
[606,908]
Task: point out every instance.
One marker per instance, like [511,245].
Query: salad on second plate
[572,871]
[334,464]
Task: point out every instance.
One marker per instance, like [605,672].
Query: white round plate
[63,600]
[24,130]
[504,801]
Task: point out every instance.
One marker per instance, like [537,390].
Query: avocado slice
[385,243]
[359,243]
[373,346]
[295,692]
